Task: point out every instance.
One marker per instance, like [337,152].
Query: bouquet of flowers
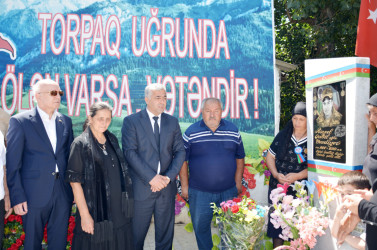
[299,221]
[241,222]
[14,235]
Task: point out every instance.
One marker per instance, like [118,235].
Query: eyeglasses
[54,92]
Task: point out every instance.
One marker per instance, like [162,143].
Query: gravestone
[337,90]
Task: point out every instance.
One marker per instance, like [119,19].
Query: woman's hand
[292,177]
[87,224]
[281,178]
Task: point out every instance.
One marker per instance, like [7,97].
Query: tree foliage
[307,29]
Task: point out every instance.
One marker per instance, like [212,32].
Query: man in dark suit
[153,146]
[37,154]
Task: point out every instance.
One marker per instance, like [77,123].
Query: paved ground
[183,240]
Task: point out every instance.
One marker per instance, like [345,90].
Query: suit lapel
[59,123]
[147,126]
[40,128]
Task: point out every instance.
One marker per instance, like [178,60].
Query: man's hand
[184,194]
[21,209]
[8,209]
[167,178]
[351,202]
[158,183]
[87,224]
[365,194]
[239,187]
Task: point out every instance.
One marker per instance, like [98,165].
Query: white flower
[296,202]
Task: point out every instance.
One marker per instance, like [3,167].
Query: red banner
[367,31]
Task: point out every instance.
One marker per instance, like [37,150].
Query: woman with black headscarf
[286,159]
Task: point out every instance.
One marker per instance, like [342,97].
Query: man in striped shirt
[213,168]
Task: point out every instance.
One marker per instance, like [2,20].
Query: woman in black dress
[286,159]
[101,185]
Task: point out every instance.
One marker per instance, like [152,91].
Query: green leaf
[215,240]
[266,238]
[189,228]
[268,245]
[252,170]
[286,243]
[263,145]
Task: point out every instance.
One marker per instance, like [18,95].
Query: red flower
[246,174]
[19,219]
[18,242]
[252,183]
[45,234]
[235,209]
[13,247]
[11,217]
[237,200]
[251,203]
[244,192]
[284,187]
[180,199]
[22,236]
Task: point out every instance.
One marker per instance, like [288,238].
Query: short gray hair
[37,86]
[153,87]
[210,99]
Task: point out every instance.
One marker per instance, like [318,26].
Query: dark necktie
[156,131]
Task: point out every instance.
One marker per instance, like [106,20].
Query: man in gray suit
[153,146]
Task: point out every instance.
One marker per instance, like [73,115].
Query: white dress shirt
[50,128]
[151,115]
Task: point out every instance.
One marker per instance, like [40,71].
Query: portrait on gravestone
[329,122]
